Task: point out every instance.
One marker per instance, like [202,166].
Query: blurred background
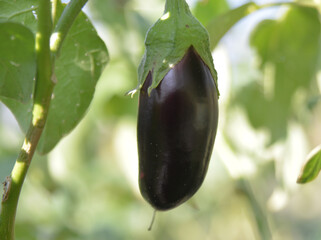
[269,80]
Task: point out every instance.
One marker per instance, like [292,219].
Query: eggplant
[176,129]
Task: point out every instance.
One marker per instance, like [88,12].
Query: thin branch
[54,11]
[68,16]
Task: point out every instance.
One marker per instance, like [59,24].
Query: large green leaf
[83,57]
[288,51]
[78,68]
[312,166]
[20,12]
[17,61]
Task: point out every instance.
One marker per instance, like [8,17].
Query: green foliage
[20,17]
[17,61]
[278,43]
[77,69]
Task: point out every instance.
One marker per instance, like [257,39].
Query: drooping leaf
[287,49]
[221,24]
[78,68]
[17,61]
[312,166]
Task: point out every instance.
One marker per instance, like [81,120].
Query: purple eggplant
[176,130]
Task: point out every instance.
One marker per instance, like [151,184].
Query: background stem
[258,212]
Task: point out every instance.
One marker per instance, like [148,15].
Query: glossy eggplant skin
[175,132]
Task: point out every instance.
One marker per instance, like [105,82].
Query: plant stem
[54,11]
[13,184]
[45,82]
[64,23]
[175,6]
[43,90]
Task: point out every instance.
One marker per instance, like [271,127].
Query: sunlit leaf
[312,166]
[17,61]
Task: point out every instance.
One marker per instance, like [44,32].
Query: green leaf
[288,51]
[20,11]
[221,24]
[17,61]
[78,68]
[312,166]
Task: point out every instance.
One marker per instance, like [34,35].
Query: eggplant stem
[152,221]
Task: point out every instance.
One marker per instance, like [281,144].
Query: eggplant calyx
[167,42]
